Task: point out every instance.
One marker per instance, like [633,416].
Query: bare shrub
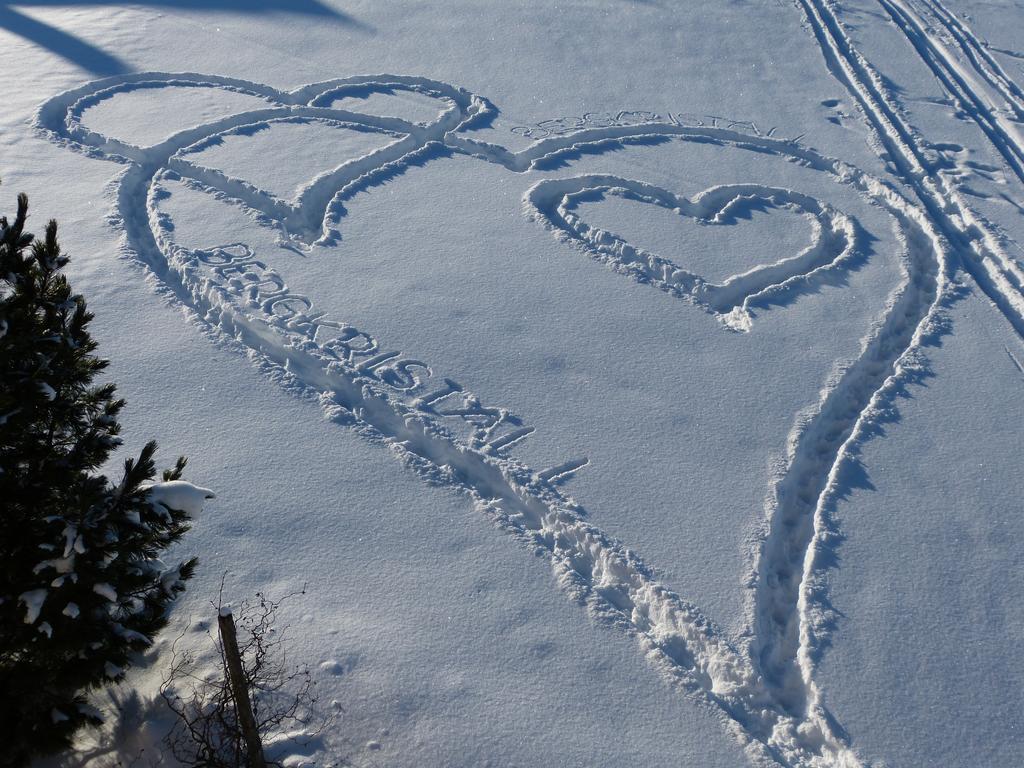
[207,731]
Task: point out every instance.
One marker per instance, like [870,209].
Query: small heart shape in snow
[833,238]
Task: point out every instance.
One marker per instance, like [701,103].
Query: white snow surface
[608,384]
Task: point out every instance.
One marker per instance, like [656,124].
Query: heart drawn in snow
[762,687]
[228,106]
[557,202]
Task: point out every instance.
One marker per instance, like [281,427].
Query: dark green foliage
[82,588]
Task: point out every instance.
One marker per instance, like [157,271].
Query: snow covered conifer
[82,587]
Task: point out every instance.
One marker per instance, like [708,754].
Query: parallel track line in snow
[973,240]
[967,92]
[977,53]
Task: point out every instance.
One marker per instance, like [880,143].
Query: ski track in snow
[761,683]
[976,82]
[978,85]
[978,246]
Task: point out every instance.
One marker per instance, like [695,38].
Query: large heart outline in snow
[763,686]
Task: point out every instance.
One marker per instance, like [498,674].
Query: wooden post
[239,690]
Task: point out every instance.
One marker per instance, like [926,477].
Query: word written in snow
[558,126]
[262,295]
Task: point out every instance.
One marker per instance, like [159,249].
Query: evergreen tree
[82,587]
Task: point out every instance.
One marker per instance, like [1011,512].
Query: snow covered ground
[626,382]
